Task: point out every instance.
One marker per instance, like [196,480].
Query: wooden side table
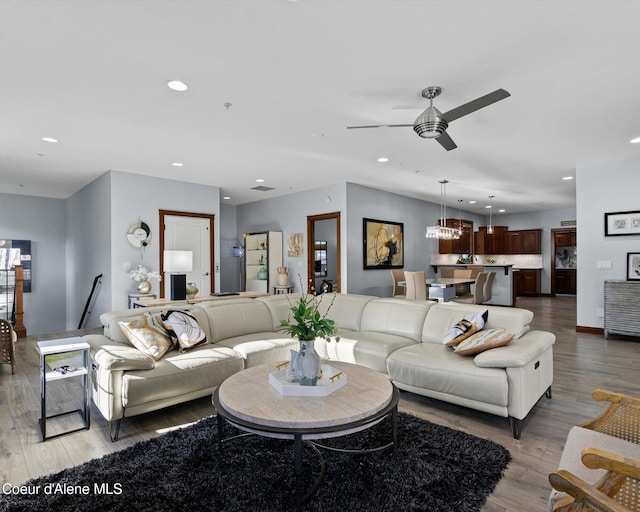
[277,290]
[49,373]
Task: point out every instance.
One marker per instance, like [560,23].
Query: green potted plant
[306,323]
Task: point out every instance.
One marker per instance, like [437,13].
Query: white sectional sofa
[394,336]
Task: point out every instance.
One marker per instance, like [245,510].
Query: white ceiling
[93,74]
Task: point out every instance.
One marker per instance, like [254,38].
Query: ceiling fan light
[429,124]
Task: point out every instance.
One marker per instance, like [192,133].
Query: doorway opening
[187,231]
[564,262]
[323,253]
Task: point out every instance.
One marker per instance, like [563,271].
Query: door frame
[311,280]
[552,250]
[175,213]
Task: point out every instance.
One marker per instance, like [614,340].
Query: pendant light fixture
[441,231]
[490,226]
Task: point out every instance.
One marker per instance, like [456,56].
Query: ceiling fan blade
[380,126]
[446,142]
[477,104]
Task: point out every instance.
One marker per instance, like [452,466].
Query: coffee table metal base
[309,436]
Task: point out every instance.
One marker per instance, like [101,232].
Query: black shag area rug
[433,469]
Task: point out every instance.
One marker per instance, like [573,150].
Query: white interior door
[190,234]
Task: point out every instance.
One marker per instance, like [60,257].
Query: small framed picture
[622,223]
[633,266]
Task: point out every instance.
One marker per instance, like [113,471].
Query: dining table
[443,289]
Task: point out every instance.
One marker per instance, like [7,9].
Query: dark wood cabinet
[524,241]
[565,238]
[486,243]
[527,282]
[566,281]
[461,245]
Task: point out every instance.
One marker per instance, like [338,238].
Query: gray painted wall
[289,215]
[229,265]
[88,219]
[99,216]
[42,221]
[365,202]
[600,189]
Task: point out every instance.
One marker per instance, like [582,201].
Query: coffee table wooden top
[249,396]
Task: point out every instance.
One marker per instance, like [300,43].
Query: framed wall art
[383,244]
[633,266]
[622,223]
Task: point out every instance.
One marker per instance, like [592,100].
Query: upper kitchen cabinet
[524,241]
[463,245]
[486,243]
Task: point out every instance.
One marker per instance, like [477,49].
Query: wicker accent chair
[8,338]
[618,490]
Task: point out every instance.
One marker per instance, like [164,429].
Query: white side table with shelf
[49,374]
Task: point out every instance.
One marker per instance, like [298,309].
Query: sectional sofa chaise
[401,338]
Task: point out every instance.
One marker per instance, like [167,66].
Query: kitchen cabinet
[566,281]
[462,245]
[263,256]
[524,241]
[565,237]
[486,243]
[527,281]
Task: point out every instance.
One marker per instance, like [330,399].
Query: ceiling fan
[432,124]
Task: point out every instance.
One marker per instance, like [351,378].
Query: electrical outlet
[603,265]
[217,268]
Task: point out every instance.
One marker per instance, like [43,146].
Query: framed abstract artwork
[383,244]
[622,223]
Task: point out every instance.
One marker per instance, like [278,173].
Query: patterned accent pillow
[481,341]
[183,328]
[148,335]
[466,327]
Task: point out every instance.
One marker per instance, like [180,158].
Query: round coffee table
[247,401]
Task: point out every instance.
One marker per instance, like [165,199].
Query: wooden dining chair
[416,286]
[397,274]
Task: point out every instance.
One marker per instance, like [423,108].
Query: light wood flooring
[582,362]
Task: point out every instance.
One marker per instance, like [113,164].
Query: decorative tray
[330,381]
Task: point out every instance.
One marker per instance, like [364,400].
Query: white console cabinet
[621,308]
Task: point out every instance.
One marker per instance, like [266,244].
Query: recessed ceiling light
[635,141]
[488,206]
[49,139]
[473,202]
[567,178]
[502,211]
[383,159]
[177,85]
[226,197]
[177,164]
[260,180]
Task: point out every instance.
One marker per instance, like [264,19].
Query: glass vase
[307,364]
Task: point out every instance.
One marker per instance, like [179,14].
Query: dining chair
[397,274]
[7,340]
[478,293]
[416,288]
[488,285]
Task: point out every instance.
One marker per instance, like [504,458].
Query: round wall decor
[139,234]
